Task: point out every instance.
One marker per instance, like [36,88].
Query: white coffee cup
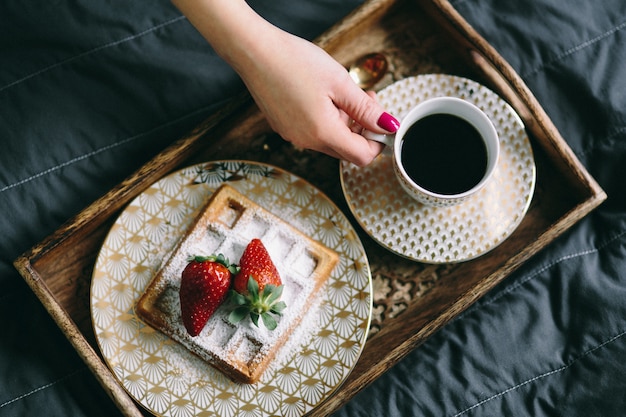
[448,176]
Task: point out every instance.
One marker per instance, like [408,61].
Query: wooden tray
[412,300]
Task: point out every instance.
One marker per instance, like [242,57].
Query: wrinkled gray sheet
[89,91]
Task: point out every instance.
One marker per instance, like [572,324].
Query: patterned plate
[446,234]
[169,380]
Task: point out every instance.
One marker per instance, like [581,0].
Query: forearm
[307,96]
[234,30]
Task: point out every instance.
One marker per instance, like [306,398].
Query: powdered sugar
[244,343]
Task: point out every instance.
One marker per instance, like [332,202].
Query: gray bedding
[89,91]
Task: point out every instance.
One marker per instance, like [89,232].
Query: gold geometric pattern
[440,235]
[165,377]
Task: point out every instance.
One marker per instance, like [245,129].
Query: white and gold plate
[444,234]
[167,379]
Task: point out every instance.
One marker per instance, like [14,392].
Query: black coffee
[444,154]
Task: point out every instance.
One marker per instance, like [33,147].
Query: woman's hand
[307,97]
[311,101]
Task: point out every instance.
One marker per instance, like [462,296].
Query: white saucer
[446,234]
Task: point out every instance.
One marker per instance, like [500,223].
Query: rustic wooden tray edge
[89,219]
[512,88]
[486,60]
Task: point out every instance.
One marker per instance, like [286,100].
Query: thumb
[365,110]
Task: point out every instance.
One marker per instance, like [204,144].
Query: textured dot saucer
[444,234]
[168,379]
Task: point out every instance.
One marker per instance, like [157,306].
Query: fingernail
[388,122]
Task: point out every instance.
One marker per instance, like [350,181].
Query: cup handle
[379,137]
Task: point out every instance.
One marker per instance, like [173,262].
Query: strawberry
[257,287]
[255,261]
[203,288]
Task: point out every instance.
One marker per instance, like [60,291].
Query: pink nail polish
[388,122]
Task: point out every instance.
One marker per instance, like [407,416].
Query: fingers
[360,110]
[354,148]
[365,110]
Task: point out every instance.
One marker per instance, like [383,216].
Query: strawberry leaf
[278,308]
[238,314]
[257,304]
[255,318]
[272,293]
[236,298]
[219,258]
[269,321]
[253,288]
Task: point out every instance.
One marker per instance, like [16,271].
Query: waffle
[226,224]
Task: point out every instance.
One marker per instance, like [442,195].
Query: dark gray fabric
[551,339]
[89,91]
